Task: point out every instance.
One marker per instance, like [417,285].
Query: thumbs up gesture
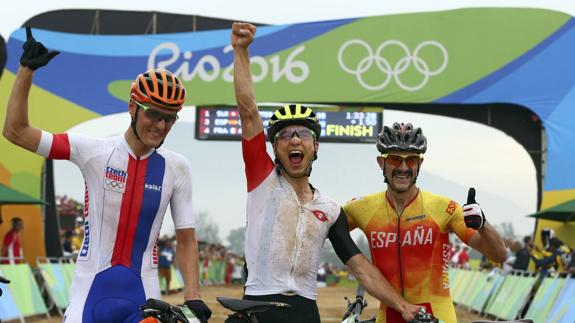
[35,54]
[472,213]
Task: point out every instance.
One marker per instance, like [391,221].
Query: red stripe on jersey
[129,212]
[258,163]
[60,148]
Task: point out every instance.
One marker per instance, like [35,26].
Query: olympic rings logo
[115,184]
[378,60]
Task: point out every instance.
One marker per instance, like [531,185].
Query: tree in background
[236,240]
[206,229]
[506,230]
[68,210]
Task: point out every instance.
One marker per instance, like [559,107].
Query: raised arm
[242,36]
[17,129]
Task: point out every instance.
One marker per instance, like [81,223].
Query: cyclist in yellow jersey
[407,229]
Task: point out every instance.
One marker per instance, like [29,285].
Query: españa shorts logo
[115,179]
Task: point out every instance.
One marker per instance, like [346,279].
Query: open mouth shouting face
[295,146]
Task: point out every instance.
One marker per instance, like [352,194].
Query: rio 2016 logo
[208,67]
[378,63]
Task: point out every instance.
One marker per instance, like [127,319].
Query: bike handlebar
[167,313]
[424,317]
[156,304]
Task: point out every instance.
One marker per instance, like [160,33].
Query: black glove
[200,309]
[472,213]
[35,54]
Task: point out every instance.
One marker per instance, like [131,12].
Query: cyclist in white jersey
[288,219]
[129,183]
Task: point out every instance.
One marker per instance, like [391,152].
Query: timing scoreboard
[223,123]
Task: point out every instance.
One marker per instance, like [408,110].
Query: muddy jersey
[283,237]
[412,249]
[125,201]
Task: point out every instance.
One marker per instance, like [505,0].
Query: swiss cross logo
[451,207]
[320,215]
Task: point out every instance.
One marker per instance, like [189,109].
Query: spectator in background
[230,260]
[552,259]
[463,258]
[78,237]
[11,248]
[571,266]
[454,257]
[67,249]
[238,273]
[165,259]
[522,254]
[321,276]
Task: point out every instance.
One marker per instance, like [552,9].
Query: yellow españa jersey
[412,249]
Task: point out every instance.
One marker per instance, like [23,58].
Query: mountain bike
[354,310]
[244,310]
[156,310]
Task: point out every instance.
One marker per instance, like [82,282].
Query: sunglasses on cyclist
[302,133]
[156,115]
[396,160]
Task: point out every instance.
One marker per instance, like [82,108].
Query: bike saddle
[241,305]
[512,321]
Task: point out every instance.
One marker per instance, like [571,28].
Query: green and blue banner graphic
[24,290]
[8,308]
[563,310]
[545,298]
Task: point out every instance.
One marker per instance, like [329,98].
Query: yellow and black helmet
[293,114]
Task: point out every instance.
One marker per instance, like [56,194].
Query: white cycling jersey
[283,237]
[125,201]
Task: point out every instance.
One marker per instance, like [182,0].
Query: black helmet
[293,114]
[401,137]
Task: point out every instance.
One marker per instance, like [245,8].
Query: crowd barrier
[56,282]
[176,283]
[511,297]
[563,310]
[212,272]
[8,308]
[544,298]
[23,297]
[493,294]
[507,296]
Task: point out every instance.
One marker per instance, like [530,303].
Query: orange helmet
[159,87]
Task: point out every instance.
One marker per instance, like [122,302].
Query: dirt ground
[330,301]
